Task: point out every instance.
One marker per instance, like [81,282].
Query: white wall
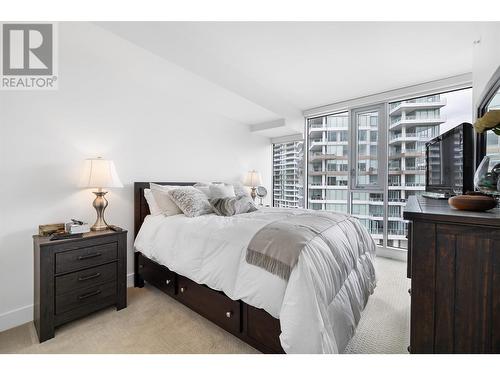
[117,101]
[486,58]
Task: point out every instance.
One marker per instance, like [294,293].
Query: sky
[458,109]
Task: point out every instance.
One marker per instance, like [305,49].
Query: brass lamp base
[100,204]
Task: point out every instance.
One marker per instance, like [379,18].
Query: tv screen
[450,161]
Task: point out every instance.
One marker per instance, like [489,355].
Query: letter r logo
[27,49]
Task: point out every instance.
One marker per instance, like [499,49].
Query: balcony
[376,232]
[396,234]
[407,170]
[409,153]
[328,173]
[409,137]
[412,186]
[412,121]
[325,127]
[321,156]
[396,202]
[316,144]
[414,104]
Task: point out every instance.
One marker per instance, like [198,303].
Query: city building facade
[288,174]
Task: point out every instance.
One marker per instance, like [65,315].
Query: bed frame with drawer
[252,325]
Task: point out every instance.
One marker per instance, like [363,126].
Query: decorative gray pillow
[191,201]
[233,205]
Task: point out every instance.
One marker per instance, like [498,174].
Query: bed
[200,262]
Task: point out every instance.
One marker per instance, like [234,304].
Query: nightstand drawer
[85,297]
[86,257]
[86,278]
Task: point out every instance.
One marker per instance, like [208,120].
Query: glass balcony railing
[413,117]
[395,119]
[427,99]
[396,232]
[400,200]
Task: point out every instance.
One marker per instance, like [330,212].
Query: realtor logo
[28,56]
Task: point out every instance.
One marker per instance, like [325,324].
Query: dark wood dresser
[454,266]
[76,277]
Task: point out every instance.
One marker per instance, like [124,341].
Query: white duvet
[318,307]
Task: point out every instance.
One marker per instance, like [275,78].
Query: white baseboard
[16,317]
[22,315]
[130,280]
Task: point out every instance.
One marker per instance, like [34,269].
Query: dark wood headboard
[141,208]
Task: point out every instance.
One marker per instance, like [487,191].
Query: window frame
[381,108]
[488,94]
[446,85]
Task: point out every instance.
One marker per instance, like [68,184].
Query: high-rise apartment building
[329,169]
[288,169]
[412,123]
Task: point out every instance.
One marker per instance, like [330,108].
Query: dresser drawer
[86,257]
[86,278]
[213,305]
[90,296]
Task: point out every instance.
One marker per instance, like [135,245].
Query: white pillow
[154,209]
[221,191]
[203,187]
[163,200]
[241,190]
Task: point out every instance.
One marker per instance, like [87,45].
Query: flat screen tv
[450,162]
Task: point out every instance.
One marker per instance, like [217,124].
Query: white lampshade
[100,173]
[252,179]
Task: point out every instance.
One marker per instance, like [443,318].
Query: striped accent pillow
[233,205]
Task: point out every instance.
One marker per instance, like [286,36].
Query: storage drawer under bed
[157,275]
[212,304]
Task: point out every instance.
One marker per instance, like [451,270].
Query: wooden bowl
[472,202]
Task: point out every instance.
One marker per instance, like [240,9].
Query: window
[493,140]
[376,159]
[330,185]
[336,195]
[288,161]
[419,120]
[367,148]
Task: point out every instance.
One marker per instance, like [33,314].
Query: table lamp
[253,179]
[100,173]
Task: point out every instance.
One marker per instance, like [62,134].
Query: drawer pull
[409,291]
[89,256]
[229,314]
[183,290]
[83,278]
[167,281]
[87,295]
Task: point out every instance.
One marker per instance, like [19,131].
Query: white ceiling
[287,67]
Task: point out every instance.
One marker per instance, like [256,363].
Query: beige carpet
[155,323]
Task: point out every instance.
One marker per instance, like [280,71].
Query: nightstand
[75,277]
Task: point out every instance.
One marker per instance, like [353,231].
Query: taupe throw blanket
[277,246]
